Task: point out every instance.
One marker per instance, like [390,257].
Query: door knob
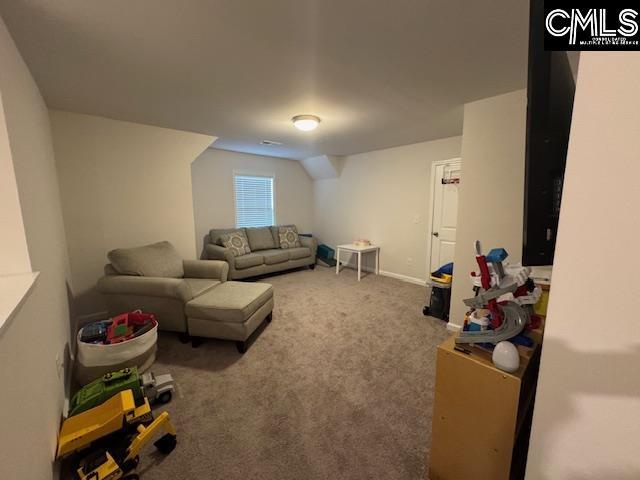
[435,234]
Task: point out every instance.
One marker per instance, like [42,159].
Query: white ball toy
[505,357]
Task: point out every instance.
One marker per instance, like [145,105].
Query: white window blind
[254,201]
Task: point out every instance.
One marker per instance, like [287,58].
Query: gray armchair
[155,279]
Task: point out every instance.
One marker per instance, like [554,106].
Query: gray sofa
[266,255]
[192,297]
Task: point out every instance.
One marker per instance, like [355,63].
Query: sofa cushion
[215,234]
[289,237]
[199,286]
[260,238]
[236,242]
[276,235]
[272,257]
[299,252]
[156,260]
[249,260]
[230,302]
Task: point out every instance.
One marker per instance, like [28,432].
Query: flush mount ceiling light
[305,123]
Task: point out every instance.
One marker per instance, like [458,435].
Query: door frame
[432,196]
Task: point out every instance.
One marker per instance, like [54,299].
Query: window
[254,200]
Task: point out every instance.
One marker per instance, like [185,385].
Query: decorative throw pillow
[236,242]
[289,237]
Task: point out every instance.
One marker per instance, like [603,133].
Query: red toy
[485,278]
[128,325]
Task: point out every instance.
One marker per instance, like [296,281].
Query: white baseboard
[452,327]
[384,273]
[404,278]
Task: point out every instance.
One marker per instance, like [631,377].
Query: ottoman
[231,311]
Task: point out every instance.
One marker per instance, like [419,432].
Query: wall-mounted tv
[550,92]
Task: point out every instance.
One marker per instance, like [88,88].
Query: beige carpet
[339,386]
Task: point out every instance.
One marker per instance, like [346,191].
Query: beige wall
[213,196]
[123,184]
[491,192]
[32,394]
[586,421]
[378,196]
[14,255]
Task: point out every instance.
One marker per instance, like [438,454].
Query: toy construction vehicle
[105,387]
[157,388]
[154,387]
[113,434]
[506,292]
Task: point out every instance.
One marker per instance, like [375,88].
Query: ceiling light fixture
[306,123]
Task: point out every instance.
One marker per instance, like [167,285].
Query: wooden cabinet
[482,415]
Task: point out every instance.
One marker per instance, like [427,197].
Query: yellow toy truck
[112,435]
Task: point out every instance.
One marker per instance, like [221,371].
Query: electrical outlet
[59,366]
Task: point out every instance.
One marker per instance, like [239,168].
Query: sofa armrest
[310,242]
[216,252]
[145,286]
[215,269]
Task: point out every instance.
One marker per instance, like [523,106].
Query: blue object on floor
[325,252]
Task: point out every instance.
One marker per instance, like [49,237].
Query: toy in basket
[124,341]
[128,325]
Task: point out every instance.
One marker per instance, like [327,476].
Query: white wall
[213,196]
[377,196]
[586,421]
[32,394]
[491,191]
[123,184]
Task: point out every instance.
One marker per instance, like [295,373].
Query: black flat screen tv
[550,91]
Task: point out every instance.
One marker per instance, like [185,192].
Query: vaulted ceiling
[379,73]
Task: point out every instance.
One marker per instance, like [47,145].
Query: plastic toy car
[105,387]
[157,388]
[95,332]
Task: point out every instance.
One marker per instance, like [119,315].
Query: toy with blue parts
[508,294]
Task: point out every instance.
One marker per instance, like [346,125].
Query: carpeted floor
[339,386]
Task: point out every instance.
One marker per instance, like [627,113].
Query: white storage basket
[94,360]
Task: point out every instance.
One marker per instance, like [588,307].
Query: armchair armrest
[310,242]
[145,286]
[215,269]
[216,252]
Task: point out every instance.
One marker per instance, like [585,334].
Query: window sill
[14,289]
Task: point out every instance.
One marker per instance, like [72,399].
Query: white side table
[350,247]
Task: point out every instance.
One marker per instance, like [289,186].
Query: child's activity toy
[504,298]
